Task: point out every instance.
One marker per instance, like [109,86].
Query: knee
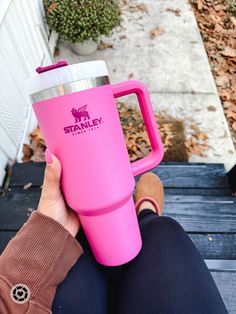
[166,226]
[170,223]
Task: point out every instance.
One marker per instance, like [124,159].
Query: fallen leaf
[201,136]
[199,5]
[218,28]
[233,20]
[142,7]
[57,51]
[219,7]
[103,45]
[234,126]
[217,24]
[229,52]
[222,81]
[27,186]
[211,108]
[175,11]
[28,152]
[156,32]
[133,7]
[230,114]
[52,7]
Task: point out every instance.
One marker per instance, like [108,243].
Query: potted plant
[82,22]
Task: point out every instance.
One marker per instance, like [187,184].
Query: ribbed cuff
[40,256]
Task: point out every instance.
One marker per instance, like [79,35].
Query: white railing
[23,47]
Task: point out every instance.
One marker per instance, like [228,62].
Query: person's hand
[51,202]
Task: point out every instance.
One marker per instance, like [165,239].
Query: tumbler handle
[157,152]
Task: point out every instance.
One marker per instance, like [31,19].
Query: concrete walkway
[174,67]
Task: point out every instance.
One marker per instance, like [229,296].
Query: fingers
[52,175]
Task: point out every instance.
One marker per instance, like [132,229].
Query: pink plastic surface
[97,176]
[59,64]
[157,153]
[117,232]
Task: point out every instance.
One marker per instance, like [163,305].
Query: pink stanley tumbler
[76,110]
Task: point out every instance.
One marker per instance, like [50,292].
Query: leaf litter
[217,22]
[176,146]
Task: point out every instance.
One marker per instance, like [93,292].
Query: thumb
[52,175]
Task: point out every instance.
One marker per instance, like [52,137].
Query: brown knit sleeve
[33,264]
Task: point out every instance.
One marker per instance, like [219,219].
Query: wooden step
[226,283]
[196,195]
[185,189]
[173,175]
[194,213]
[211,246]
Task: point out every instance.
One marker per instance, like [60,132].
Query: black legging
[168,277]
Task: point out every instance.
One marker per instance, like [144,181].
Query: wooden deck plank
[215,246]
[211,246]
[23,173]
[226,283]
[197,195]
[16,206]
[208,199]
[173,175]
[202,209]
[202,215]
[5,237]
[198,191]
[179,175]
[201,224]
